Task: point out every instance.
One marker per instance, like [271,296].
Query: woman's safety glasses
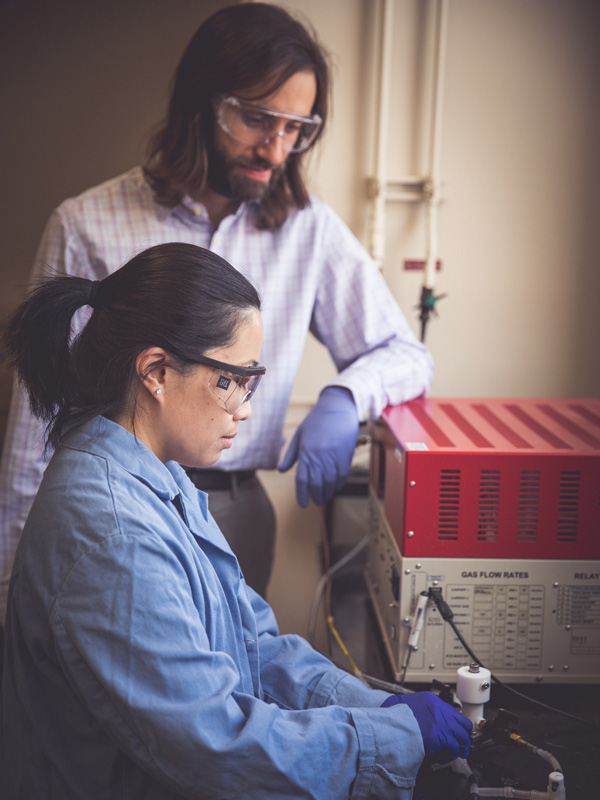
[230,384]
[256,126]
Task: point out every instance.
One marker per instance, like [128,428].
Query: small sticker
[223,382]
[416,446]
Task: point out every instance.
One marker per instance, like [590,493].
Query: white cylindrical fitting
[556,786]
[473,690]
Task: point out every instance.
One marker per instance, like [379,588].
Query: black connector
[502,728]
[445,692]
[441,604]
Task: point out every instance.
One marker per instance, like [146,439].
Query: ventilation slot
[489,495]
[568,506]
[449,504]
[529,506]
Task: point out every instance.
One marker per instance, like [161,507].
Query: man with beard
[249,99]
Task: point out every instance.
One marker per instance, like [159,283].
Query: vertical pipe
[377,228]
[432,187]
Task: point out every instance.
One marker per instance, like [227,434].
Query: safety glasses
[255,126]
[230,384]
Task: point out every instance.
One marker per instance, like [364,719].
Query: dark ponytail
[37,341]
[179,297]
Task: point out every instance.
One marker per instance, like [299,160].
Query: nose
[273,149]
[244,412]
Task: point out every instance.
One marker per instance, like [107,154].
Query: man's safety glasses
[255,126]
[230,384]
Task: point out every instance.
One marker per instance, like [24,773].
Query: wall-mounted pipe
[433,186]
[410,188]
[377,184]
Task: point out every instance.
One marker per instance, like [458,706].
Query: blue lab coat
[139,664]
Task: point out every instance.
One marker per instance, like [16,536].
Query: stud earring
[158,391]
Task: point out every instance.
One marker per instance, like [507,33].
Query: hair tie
[91,301]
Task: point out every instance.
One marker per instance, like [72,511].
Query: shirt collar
[187,207]
[192,210]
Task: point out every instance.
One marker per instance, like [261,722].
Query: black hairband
[91,301]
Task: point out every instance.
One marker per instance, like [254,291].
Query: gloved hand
[323,445]
[445,731]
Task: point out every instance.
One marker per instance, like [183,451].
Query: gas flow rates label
[502,624]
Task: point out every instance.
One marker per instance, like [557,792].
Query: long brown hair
[250,46]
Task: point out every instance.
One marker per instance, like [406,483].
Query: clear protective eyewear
[230,384]
[254,125]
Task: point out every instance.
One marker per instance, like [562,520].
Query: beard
[223,179]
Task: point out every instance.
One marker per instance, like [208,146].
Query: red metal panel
[499,478]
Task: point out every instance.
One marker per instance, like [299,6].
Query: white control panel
[526,621]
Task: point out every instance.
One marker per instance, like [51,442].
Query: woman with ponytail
[138,663]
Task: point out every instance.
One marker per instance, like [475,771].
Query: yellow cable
[344,649]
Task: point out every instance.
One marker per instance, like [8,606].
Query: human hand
[445,731]
[323,445]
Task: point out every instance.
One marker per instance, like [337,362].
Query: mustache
[258,164]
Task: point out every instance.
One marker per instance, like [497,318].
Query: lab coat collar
[106,439]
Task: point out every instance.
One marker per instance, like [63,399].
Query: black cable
[448,616]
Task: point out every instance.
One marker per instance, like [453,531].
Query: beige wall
[519,234]
[518,228]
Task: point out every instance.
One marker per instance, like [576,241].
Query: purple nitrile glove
[323,445]
[445,731]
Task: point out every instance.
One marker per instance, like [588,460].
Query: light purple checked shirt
[312,274]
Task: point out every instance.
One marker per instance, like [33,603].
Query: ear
[151,370]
